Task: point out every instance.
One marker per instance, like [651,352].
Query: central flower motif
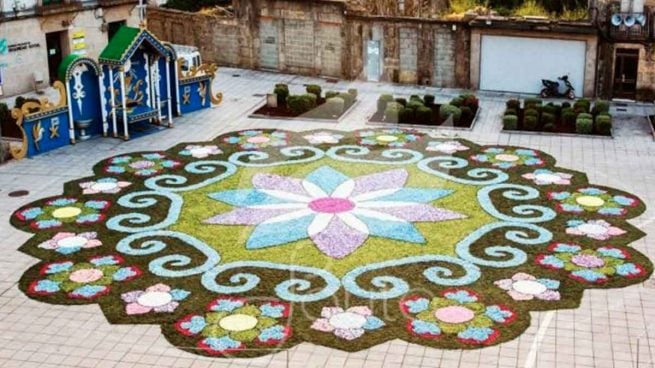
[336,212]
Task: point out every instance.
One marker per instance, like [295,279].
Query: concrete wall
[18,75]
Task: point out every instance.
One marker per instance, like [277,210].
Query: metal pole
[121,75]
[113,100]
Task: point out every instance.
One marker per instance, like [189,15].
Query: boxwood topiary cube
[510,122]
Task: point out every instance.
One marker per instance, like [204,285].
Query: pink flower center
[85,275]
[331,205]
[143,164]
[588,261]
[454,314]
[258,139]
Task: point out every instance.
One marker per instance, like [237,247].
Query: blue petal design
[373,323]
[272,333]
[245,197]
[416,195]
[194,325]
[461,296]
[418,305]
[549,283]
[326,178]
[476,333]
[46,286]
[627,269]
[179,294]
[226,305]
[269,235]
[88,291]
[396,230]
[273,311]
[423,327]
[221,344]
[104,261]
[124,274]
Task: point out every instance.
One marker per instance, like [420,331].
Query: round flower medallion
[259,240]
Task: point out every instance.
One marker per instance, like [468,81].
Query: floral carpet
[259,240]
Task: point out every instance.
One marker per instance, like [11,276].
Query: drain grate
[621,109]
[18,193]
[258,95]
[236,75]
[331,80]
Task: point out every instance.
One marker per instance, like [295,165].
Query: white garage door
[518,64]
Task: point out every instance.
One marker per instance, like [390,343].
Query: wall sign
[22,46]
[79,43]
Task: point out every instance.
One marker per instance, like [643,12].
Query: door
[268,51]
[54,49]
[113,27]
[518,64]
[373,61]
[626,64]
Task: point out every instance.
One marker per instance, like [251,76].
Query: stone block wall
[444,58]
[408,55]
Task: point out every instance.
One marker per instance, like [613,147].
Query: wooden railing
[47,7]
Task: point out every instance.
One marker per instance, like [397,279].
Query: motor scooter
[551,88]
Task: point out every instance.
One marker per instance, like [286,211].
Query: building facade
[35,35]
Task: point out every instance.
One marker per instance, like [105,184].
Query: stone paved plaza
[611,328]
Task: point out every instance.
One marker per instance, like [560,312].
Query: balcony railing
[630,26]
[105,3]
[48,7]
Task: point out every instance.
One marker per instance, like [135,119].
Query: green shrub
[392,111]
[353,92]
[513,104]
[532,102]
[314,89]
[311,99]
[547,118]
[415,98]
[467,113]
[334,106]
[585,115]
[582,106]
[402,101]
[601,107]
[330,94]
[550,109]
[584,126]
[282,93]
[566,104]
[423,115]
[457,101]
[298,104]
[429,100]
[348,99]
[549,127]
[406,116]
[604,124]
[530,122]
[470,101]
[383,100]
[569,116]
[510,122]
[415,104]
[531,112]
[447,110]
[511,112]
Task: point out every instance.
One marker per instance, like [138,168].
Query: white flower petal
[384,204]
[344,190]
[373,195]
[279,206]
[320,223]
[375,214]
[314,190]
[286,195]
[352,221]
[289,216]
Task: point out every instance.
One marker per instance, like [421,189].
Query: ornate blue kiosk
[137,79]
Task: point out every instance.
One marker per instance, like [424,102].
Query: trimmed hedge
[314,89]
[282,93]
[584,126]
[530,122]
[448,110]
[335,106]
[423,115]
[604,124]
[383,101]
[510,122]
